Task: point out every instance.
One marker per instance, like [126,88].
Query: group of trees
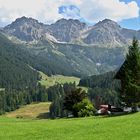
[56,95]
[18,80]
[100,96]
[103,89]
[11,99]
[78,104]
[69,100]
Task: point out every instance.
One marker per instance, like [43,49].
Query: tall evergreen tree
[130,75]
[72,99]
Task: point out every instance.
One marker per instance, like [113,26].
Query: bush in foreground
[78,104]
[84,108]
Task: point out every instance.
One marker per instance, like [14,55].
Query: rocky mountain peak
[66,30]
[26,29]
[108,23]
[25,19]
[22,21]
[105,33]
[70,21]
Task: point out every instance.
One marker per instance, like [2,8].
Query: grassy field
[50,81]
[93,128]
[32,111]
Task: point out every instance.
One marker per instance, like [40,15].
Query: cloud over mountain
[49,11]
[95,10]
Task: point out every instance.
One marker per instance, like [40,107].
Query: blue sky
[133,23]
[138,1]
[125,12]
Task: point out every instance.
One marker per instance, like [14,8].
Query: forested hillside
[18,80]
[103,89]
[15,71]
[75,60]
[105,80]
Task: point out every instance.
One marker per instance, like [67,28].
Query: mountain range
[71,47]
[106,33]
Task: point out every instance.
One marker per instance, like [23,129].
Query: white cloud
[47,10]
[95,10]
[44,10]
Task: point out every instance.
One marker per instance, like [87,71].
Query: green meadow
[125,127]
[31,111]
[49,81]
[55,79]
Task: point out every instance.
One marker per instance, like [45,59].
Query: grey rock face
[66,30]
[106,33]
[26,29]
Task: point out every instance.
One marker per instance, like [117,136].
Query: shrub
[84,108]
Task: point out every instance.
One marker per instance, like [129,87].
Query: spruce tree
[131,75]
[72,98]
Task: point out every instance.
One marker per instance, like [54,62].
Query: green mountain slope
[14,69]
[105,80]
[75,60]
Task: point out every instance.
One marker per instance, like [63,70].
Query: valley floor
[94,128]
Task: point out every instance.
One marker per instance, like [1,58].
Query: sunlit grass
[52,80]
[32,111]
[94,128]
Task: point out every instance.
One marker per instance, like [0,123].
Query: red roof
[104,106]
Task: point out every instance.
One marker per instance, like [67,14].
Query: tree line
[11,99]
[69,100]
[103,89]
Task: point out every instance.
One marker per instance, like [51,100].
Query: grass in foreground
[94,128]
[32,111]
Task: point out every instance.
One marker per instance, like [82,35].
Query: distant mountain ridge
[26,29]
[106,33]
[70,47]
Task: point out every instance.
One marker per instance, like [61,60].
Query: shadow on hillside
[43,116]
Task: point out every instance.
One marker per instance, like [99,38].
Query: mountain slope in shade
[15,71]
